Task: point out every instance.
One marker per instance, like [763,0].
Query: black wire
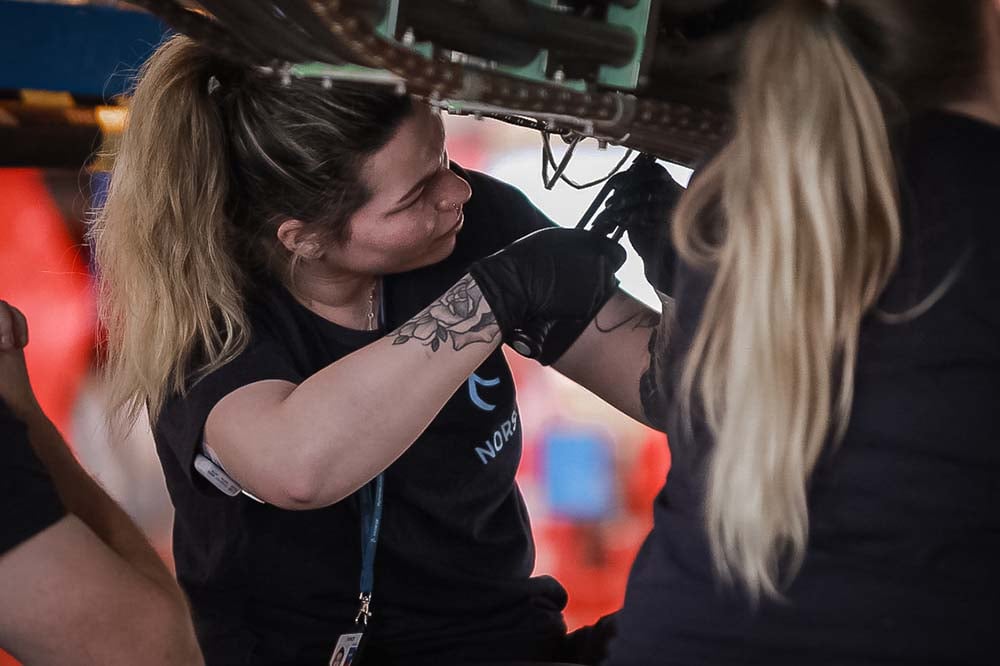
[548,160]
[594,206]
[616,169]
[518,121]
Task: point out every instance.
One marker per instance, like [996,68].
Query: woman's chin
[441,249]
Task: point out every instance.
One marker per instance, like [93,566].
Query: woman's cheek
[424,223]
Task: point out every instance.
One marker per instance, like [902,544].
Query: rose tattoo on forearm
[456,316]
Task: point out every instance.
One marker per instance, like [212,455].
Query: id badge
[347,651]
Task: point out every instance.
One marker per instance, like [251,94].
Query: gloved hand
[552,281]
[642,202]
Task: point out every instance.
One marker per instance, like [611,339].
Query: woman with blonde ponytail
[309,299]
[833,376]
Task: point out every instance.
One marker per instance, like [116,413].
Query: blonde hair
[804,236]
[165,284]
[214,157]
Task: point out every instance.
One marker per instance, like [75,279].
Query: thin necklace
[371,306]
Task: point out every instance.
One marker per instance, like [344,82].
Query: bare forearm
[613,353]
[351,420]
[84,498]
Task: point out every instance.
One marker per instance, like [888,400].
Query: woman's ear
[294,237]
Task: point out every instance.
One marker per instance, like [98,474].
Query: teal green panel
[636,19]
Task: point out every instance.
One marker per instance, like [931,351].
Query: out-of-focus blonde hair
[798,219]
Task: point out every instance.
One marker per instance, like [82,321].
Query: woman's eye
[409,204]
[420,195]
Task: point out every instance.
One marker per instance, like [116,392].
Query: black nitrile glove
[642,202]
[551,281]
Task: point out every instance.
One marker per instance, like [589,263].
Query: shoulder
[948,166]
[275,329]
[269,352]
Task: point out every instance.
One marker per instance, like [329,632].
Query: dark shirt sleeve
[28,500]
[179,430]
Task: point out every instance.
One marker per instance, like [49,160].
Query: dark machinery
[651,75]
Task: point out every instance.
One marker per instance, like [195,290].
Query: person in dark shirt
[308,296]
[830,379]
[79,584]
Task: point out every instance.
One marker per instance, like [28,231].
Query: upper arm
[69,599]
[612,353]
[245,429]
[233,410]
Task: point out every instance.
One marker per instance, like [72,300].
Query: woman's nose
[455,192]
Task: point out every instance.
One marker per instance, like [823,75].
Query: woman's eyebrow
[417,186]
[420,184]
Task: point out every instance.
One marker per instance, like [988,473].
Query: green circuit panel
[626,77]
[636,19]
[535,70]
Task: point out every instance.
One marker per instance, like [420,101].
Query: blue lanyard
[371,522]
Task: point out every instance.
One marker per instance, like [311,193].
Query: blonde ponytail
[216,155]
[798,219]
[168,286]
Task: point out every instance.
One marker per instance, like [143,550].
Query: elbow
[311,473]
[309,487]
[299,495]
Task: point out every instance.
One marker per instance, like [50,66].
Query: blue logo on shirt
[475,381]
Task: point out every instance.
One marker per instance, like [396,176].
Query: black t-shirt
[28,501]
[455,554]
[904,543]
